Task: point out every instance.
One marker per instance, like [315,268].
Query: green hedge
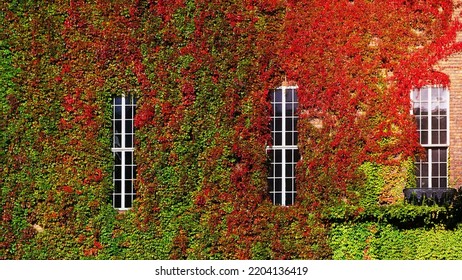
[385,242]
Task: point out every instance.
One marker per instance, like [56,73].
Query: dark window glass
[283,153]
[122,147]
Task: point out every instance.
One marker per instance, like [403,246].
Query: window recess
[283,152]
[430,107]
[123,136]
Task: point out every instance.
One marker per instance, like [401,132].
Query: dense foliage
[381,241]
[202,70]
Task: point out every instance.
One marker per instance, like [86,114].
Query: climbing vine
[201,71]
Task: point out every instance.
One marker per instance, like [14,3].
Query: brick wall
[452,66]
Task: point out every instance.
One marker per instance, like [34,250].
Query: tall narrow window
[283,152]
[124,174]
[431,110]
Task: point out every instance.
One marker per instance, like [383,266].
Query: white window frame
[425,176]
[124,171]
[285,182]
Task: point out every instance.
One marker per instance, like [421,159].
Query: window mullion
[283,190]
[123,175]
[430,164]
[123,122]
[122,191]
[430,116]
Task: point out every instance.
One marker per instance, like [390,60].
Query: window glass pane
[117,141]
[434,95]
[290,124]
[443,99]
[128,100]
[276,96]
[117,112]
[270,185]
[117,158]
[424,169]
[442,110]
[435,155]
[117,186]
[424,183]
[128,157]
[278,156]
[443,122]
[290,109]
[128,201]
[424,92]
[435,182]
[289,138]
[277,110]
[117,126]
[117,201]
[443,183]
[128,126]
[277,138]
[118,172]
[290,95]
[128,172]
[289,170]
[290,198]
[444,155]
[117,100]
[129,141]
[435,122]
[277,170]
[129,112]
[296,155]
[435,137]
[424,137]
[415,95]
[289,185]
[277,198]
[277,124]
[443,170]
[424,123]
[435,169]
[289,155]
[128,186]
[418,169]
[424,109]
[277,185]
[443,137]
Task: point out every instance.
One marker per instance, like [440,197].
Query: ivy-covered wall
[392,229]
[202,70]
